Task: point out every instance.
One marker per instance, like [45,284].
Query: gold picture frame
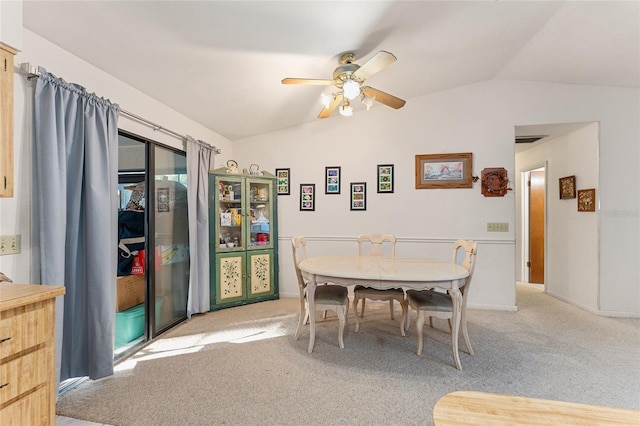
[567,187]
[444,171]
[587,200]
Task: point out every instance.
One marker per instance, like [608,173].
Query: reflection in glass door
[171,239]
[153,250]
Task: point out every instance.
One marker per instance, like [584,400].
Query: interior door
[536,226]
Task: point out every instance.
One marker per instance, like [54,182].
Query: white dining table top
[383,268]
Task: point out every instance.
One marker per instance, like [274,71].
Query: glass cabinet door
[229,216]
[260,213]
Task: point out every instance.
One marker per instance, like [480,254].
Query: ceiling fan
[349,79]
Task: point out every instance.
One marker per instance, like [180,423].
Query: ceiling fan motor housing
[344,72]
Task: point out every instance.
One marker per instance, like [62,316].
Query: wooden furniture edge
[14,295]
[482,408]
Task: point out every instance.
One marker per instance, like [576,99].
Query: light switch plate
[9,244]
[497,227]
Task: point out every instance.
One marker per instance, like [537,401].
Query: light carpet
[241,366]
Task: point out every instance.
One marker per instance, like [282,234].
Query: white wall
[479,118]
[571,269]
[16,212]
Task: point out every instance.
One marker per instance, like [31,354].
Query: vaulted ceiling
[221,63]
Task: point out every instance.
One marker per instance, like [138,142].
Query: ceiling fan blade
[326,112]
[307,81]
[383,98]
[381,60]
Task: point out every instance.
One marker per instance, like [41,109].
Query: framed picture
[567,187]
[283,181]
[358,196]
[385,178]
[162,199]
[307,196]
[587,200]
[444,171]
[332,180]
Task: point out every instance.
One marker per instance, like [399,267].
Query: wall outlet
[497,227]
[9,244]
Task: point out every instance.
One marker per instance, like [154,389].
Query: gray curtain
[199,157]
[76,146]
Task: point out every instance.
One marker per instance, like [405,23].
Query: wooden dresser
[27,354]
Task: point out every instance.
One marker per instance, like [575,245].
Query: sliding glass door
[171,237]
[153,249]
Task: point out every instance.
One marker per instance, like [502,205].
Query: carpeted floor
[241,366]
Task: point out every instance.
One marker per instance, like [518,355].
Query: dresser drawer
[23,374]
[24,327]
[32,410]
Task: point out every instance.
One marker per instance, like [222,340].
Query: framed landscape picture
[307,196]
[284,181]
[444,171]
[358,196]
[385,178]
[332,180]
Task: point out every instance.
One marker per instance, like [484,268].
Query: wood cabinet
[242,238]
[6,120]
[28,354]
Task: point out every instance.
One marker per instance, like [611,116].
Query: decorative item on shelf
[254,169]
[567,187]
[495,182]
[587,200]
[232,167]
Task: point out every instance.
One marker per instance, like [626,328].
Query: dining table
[383,272]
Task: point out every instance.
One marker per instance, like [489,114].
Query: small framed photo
[385,178]
[283,181]
[307,196]
[358,196]
[163,199]
[332,180]
[587,200]
[444,171]
[567,187]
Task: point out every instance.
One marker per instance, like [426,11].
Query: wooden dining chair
[331,297]
[433,303]
[373,245]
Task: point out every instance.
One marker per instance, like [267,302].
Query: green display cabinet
[242,238]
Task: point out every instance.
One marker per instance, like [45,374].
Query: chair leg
[301,321]
[362,313]
[391,308]
[465,334]
[431,322]
[342,317]
[419,325]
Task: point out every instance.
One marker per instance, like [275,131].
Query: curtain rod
[31,71]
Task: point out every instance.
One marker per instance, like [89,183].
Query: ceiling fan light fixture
[326,100]
[368,101]
[351,89]
[346,110]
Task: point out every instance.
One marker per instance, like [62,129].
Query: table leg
[456,298]
[311,295]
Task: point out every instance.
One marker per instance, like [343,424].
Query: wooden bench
[482,408]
